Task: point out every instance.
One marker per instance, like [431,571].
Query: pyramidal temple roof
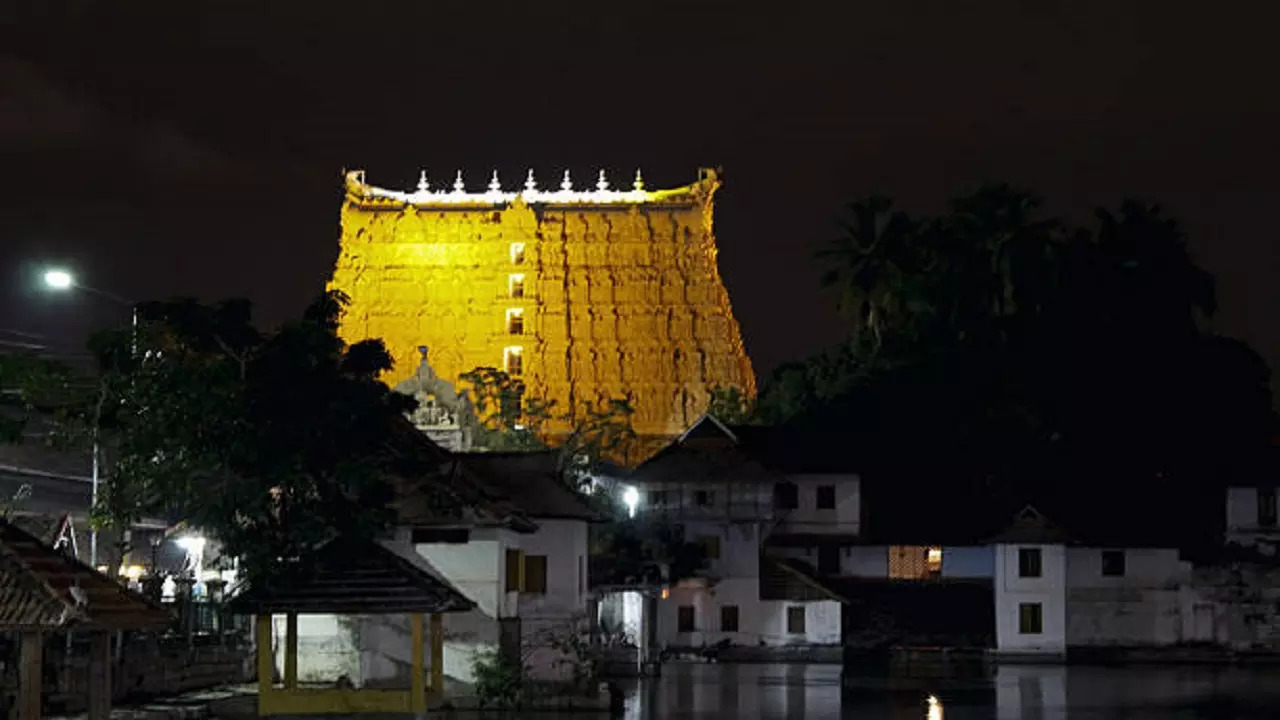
[600,192]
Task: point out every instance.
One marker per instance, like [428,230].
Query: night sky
[165,148]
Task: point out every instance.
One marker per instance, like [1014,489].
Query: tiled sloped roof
[43,588]
[531,481]
[354,577]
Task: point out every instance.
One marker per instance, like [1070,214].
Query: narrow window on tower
[515,321]
[515,285]
[517,253]
[513,361]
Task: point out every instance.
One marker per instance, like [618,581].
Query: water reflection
[1022,692]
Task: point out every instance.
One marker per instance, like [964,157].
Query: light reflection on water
[772,692]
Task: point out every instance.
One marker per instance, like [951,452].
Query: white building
[746,505]
[529,583]
[1251,517]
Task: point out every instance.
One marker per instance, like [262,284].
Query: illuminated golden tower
[586,295]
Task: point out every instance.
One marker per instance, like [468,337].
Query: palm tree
[870,264]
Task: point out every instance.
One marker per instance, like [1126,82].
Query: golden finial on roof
[494,185]
[566,184]
[458,185]
[423,185]
[602,183]
[639,183]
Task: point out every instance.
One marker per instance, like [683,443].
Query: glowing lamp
[631,497]
[59,279]
[191,543]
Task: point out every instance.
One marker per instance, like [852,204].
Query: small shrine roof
[43,588]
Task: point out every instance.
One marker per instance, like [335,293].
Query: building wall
[865,561]
[739,547]
[844,519]
[621,298]
[1048,591]
[968,562]
[1243,527]
[759,621]
[1141,607]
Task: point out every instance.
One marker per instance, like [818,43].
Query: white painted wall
[1242,519]
[739,546]
[865,561]
[845,518]
[326,650]
[759,621]
[1049,590]
[562,609]
[1142,607]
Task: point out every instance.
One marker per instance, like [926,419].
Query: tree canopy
[270,442]
[1015,348]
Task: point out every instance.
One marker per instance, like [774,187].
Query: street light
[61,281]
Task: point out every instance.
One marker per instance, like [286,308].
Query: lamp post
[63,281]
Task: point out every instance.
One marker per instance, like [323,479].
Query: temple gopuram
[585,295]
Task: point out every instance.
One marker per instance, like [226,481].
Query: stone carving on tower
[442,414]
[586,294]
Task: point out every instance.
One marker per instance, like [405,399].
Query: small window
[513,361]
[657,497]
[517,253]
[827,497]
[704,498]
[729,618]
[1113,562]
[684,619]
[535,574]
[711,545]
[1029,564]
[933,561]
[515,321]
[515,568]
[795,620]
[786,496]
[431,536]
[515,286]
[1266,507]
[1030,619]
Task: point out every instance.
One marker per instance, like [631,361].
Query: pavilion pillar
[266,658]
[30,676]
[100,662]
[417,681]
[291,651]
[437,654]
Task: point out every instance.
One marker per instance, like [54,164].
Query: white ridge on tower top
[601,194]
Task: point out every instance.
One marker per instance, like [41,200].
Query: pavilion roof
[43,588]
[354,577]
